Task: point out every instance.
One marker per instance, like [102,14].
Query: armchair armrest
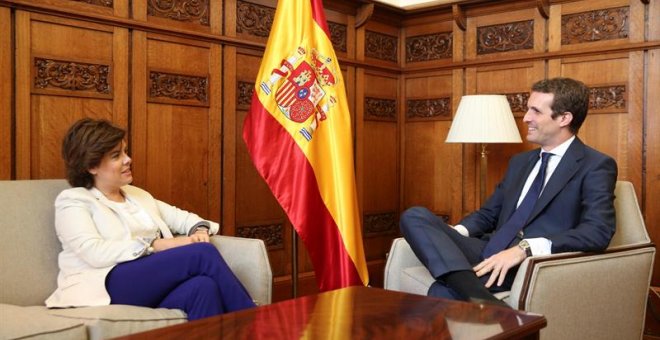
[400,256]
[248,259]
[563,286]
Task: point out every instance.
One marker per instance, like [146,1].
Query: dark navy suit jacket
[575,210]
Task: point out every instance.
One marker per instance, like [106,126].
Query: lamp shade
[483,119]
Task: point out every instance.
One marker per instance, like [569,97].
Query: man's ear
[93,170]
[565,119]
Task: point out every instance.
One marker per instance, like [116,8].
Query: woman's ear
[93,170]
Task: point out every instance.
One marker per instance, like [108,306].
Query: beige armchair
[582,295]
[28,259]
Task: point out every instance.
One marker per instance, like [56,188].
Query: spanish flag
[298,133]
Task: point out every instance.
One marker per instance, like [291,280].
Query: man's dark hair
[570,95]
[84,146]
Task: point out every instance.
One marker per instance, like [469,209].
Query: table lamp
[483,119]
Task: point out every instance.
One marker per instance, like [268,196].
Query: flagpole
[294,261]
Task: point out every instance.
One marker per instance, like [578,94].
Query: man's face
[542,129]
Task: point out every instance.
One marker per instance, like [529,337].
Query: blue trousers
[193,278]
[442,250]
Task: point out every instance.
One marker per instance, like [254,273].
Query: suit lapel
[510,205]
[566,169]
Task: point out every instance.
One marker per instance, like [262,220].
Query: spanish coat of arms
[299,86]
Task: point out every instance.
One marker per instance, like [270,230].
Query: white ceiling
[414,4]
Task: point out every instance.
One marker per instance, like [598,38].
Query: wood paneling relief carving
[381,46]
[375,224]
[73,76]
[607,98]
[518,102]
[429,47]
[181,10]
[244,92]
[338,36]
[254,19]
[271,234]
[178,87]
[512,36]
[604,24]
[379,109]
[432,109]
[105,3]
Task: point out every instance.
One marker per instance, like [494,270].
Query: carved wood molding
[380,109]
[602,24]
[511,36]
[363,15]
[608,99]
[180,10]
[428,109]
[429,47]
[381,46]
[338,36]
[458,14]
[179,89]
[272,234]
[518,102]
[254,19]
[64,77]
[244,91]
[381,223]
[104,3]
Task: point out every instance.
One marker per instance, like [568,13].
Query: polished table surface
[360,313]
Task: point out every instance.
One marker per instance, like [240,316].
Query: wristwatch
[524,245]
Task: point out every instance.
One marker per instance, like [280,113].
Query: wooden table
[360,313]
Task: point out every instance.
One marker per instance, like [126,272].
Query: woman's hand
[169,243]
[201,235]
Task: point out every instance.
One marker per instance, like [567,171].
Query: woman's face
[114,171]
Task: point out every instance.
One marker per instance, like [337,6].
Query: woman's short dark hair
[84,146]
[570,95]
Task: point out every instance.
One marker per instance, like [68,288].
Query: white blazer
[94,239]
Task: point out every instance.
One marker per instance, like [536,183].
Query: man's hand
[499,264]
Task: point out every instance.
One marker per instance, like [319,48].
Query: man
[558,198]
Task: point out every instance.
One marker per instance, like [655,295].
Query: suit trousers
[443,250]
[193,278]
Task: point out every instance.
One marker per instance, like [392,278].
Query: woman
[117,244]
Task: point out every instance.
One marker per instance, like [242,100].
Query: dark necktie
[505,234]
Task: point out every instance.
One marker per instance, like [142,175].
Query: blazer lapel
[566,169]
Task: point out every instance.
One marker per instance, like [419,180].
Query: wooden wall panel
[498,35]
[377,153]
[6,94]
[54,59]
[428,166]
[176,126]
[651,172]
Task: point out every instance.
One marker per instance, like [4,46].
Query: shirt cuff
[462,230]
[540,246]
